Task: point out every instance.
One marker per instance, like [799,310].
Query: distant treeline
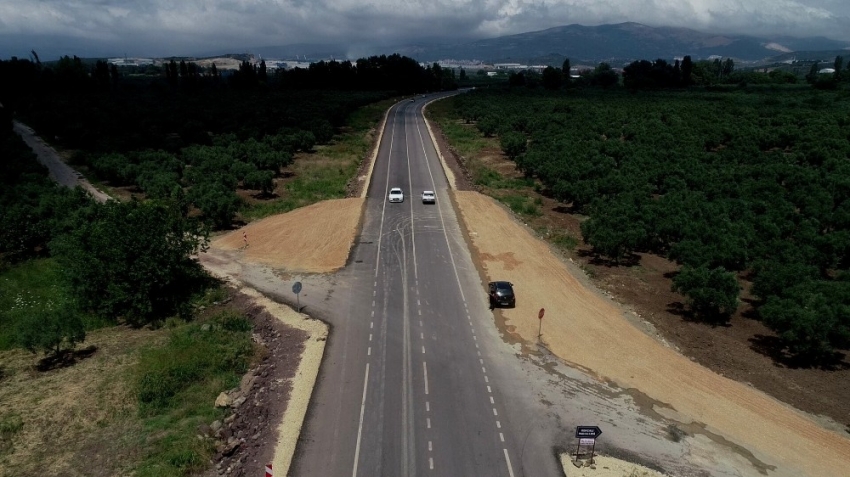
[728,184]
[662,74]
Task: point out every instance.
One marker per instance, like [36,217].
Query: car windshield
[395,191]
[503,287]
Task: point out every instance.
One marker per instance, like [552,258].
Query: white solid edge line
[360,426]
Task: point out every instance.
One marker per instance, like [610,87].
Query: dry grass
[79,420]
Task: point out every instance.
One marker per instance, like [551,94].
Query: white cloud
[168,27]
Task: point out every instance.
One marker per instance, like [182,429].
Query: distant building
[130,61]
[509,66]
[826,71]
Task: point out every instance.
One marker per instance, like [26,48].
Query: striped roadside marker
[268,470]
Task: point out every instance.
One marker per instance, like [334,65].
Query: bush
[713,294]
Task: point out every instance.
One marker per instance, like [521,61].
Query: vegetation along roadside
[717,214]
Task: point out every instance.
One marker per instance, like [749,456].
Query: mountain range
[615,43]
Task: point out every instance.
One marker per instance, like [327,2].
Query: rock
[223,400]
[215,426]
[238,402]
[204,429]
[229,419]
[232,445]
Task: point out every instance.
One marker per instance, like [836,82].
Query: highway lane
[405,388]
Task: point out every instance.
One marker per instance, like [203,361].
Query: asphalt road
[405,388]
[58,171]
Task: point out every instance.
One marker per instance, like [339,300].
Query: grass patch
[32,287]
[176,386]
[325,173]
[487,177]
[521,204]
[465,138]
[564,241]
[10,424]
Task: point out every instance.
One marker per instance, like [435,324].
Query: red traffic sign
[540,314]
[591,432]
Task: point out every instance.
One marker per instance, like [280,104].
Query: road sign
[586,442]
[588,431]
[296,288]
[540,314]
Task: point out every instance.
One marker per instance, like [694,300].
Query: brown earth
[247,439]
[314,239]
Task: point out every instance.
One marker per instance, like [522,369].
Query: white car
[396,195]
[428,197]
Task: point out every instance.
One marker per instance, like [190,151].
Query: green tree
[807,323]
[603,75]
[551,78]
[618,226]
[132,259]
[513,144]
[687,71]
[566,72]
[262,75]
[51,329]
[812,77]
[711,293]
[217,202]
[838,65]
[260,180]
[728,68]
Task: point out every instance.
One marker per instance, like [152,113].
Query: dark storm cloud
[160,27]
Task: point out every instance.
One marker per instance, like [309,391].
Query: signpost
[540,326]
[586,436]
[591,432]
[296,288]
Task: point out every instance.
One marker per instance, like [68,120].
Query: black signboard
[591,432]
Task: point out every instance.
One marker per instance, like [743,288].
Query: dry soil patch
[313,239]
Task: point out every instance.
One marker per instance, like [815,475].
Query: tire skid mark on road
[372,323]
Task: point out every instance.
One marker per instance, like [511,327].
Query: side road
[59,171]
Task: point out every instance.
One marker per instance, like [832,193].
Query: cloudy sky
[191,27]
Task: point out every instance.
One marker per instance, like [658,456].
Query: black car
[501,294]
